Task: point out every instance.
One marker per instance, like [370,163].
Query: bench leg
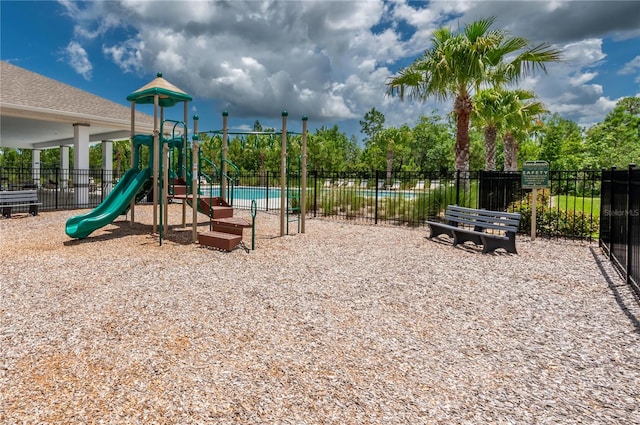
[33,210]
[491,244]
[462,237]
[435,230]
[6,212]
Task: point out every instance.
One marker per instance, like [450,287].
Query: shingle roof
[21,87]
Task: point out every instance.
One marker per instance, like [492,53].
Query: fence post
[315,193]
[375,209]
[101,185]
[57,180]
[628,215]
[602,206]
[457,187]
[267,208]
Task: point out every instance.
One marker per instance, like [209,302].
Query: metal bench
[19,198]
[491,229]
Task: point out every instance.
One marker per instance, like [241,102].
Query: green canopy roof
[168,94]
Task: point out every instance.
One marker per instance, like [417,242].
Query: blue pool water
[248,193]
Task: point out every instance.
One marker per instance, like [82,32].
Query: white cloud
[127,55]
[77,57]
[631,67]
[330,60]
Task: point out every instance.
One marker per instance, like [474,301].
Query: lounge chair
[364,183]
[340,182]
[380,184]
[351,183]
[396,185]
[419,185]
[435,184]
[327,183]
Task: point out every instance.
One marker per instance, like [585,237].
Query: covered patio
[37,113]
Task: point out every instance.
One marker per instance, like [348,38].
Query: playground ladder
[225,230]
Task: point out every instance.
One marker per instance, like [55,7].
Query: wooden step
[220,240]
[179,181]
[233,225]
[221,212]
[178,192]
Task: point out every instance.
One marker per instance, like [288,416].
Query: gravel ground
[345,324]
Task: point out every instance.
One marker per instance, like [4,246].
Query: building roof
[39,112]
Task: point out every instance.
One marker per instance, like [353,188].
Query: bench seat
[19,198]
[491,229]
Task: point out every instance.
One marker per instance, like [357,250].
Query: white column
[107,166]
[81,164]
[35,167]
[64,167]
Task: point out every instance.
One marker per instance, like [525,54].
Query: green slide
[116,203]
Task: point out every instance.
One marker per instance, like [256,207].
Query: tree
[487,115]
[390,149]
[372,124]
[432,149]
[616,140]
[330,149]
[521,112]
[458,64]
[561,143]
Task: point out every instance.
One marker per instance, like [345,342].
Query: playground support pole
[303,171]
[183,172]
[165,186]
[223,156]
[194,181]
[163,173]
[156,158]
[131,135]
[283,174]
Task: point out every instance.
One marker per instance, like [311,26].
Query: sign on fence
[535,174]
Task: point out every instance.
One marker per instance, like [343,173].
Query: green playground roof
[168,94]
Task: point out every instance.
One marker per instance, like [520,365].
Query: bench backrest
[485,219]
[17,196]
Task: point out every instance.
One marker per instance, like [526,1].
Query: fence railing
[569,207]
[57,186]
[620,222]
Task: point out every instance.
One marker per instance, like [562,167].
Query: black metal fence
[56,186]
[620,222]
[568,208]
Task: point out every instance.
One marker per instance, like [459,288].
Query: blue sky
[327,59]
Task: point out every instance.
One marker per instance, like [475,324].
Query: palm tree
[495,109]
[460,63]
[521,114]
[487,115]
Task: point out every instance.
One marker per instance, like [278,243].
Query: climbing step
[233,225]
[179,192]
[220,240]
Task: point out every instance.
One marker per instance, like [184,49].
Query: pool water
[247,193]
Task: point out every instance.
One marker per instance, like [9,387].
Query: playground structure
[293,204]
[171,170]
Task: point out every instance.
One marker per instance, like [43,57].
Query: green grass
[589,206]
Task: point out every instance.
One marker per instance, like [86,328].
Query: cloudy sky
[325,59]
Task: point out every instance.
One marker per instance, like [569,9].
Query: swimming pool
[246,193]
[268,199]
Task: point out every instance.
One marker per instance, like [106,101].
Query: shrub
[557,222]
